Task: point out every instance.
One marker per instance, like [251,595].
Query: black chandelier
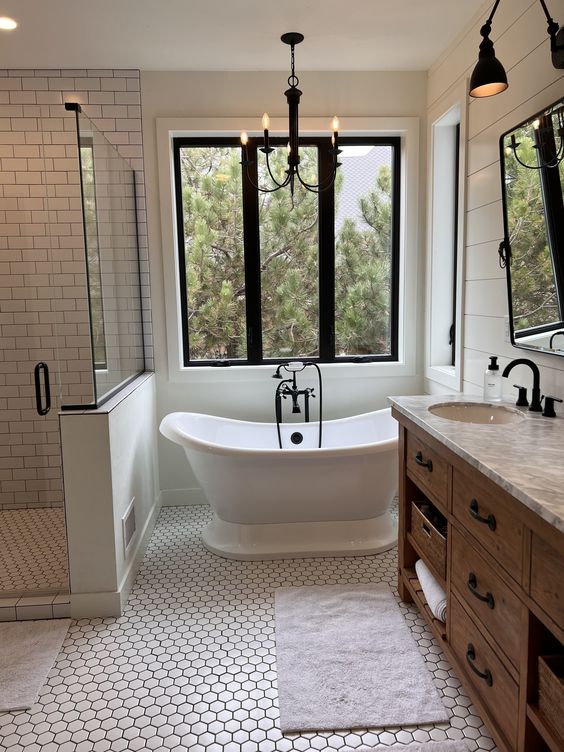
[549,151]
[293,95]
[489,77]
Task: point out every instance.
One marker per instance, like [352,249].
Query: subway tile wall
[43,304]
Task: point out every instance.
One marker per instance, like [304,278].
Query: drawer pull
[475,513]
[424,463]
[471,657]
[426,529]
[473,584]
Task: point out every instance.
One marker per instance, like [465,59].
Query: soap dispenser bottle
[492,381]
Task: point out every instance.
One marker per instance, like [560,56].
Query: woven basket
[551,690]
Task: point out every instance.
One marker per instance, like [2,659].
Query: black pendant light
[489,76]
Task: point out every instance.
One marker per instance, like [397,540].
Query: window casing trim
[453,105]
[409,333]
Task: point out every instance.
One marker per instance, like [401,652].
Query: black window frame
[251,234]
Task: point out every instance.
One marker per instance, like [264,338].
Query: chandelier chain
[293,80]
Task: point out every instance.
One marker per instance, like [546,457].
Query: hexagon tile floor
[191,664]
[33,550]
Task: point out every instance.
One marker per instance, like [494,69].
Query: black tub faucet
[535,405]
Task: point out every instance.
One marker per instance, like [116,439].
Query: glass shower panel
[112,261]
[33,546]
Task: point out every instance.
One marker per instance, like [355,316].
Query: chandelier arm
[266,190]
[286,179]
[322,185]
[549,165]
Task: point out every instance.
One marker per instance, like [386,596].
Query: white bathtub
[299,501]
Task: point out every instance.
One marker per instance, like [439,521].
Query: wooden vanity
[500,562]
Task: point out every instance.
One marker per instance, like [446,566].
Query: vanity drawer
[431,542]
[428,469]
[547,578]
[485,672]
[484,513]
[487,596]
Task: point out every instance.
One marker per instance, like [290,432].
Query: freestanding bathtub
[298,501]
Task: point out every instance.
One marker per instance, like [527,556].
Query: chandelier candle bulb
[266,127]
[244,138]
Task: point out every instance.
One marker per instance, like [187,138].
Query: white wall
[249,393]
[109,459]
[522,45]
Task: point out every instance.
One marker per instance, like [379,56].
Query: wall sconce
[489,76]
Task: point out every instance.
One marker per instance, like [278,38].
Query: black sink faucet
[535,405]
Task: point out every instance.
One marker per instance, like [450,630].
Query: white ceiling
[232,34]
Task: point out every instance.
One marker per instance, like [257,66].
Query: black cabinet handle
[471,657]
[424,463]
[475,513]
[473,584]
[42,367]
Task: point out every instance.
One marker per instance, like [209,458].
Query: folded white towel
[435,595]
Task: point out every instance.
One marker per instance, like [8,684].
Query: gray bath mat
[346,659]
[28,650]
[448,746]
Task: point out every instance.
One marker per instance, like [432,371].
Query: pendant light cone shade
[489,76]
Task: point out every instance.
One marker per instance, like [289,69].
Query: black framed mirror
[532,178]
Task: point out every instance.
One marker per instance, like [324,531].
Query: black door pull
[475,513]
[424,463]
[39,368]
[473,584]
[471,657]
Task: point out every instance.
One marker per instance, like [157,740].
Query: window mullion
[251,243]
[326,258]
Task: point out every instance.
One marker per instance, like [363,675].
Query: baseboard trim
[183,497]
[89,605]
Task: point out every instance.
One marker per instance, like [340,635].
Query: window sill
[445,376]
[330,372]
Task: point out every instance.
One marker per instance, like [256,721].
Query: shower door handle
[42,367]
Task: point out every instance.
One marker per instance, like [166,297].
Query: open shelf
[545,730]
[422,555]
[414,586]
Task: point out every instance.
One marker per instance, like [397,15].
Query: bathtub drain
[296,438]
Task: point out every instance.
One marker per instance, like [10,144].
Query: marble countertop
[525,458]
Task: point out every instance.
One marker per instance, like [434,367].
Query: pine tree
[213,232]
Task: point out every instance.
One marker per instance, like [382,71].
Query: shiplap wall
[521,43]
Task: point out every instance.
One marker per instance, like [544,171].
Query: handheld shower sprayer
[293,366]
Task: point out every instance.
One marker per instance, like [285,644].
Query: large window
[266,276]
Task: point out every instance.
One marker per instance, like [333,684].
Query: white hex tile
[191,663]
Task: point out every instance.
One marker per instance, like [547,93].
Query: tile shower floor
[191,664]
[33,550]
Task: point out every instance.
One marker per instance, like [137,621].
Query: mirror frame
[504,250]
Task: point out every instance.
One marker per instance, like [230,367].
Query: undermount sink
[477,412]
